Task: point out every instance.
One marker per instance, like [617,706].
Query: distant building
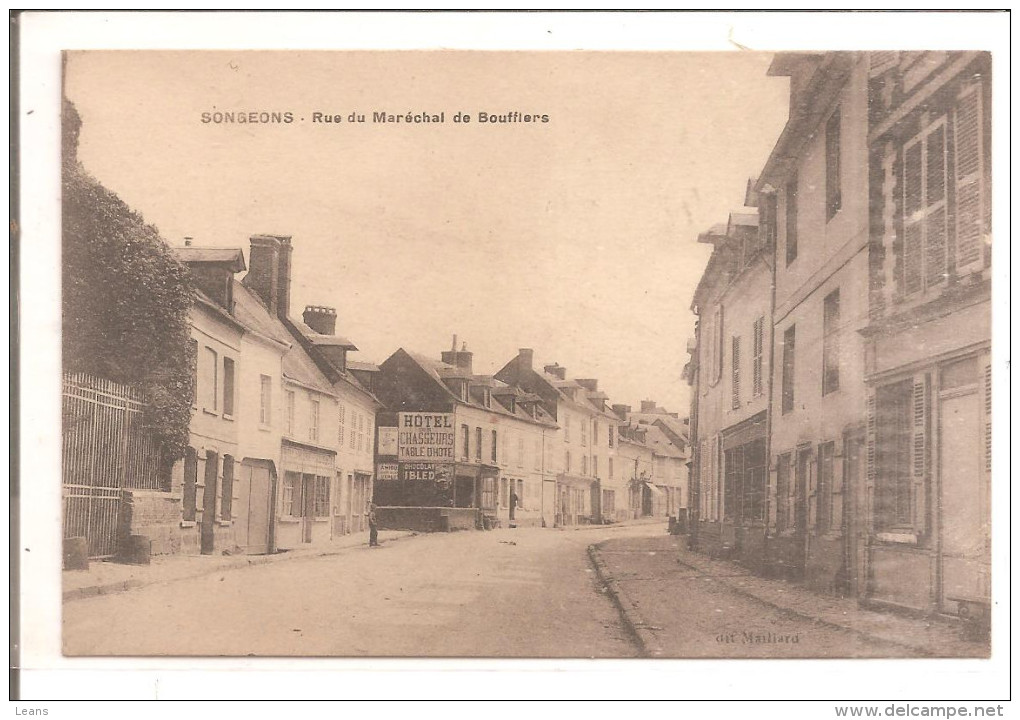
[452,439]
[664,491]
[582,485]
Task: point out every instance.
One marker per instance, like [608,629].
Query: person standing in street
[373,528]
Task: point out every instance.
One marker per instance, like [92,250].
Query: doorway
[254,505]
[963,501]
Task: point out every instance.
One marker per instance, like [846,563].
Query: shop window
[320,504]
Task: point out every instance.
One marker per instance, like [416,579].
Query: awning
[655,490]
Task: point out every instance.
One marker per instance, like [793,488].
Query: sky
[576,237]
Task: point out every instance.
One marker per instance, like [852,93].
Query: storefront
[306,495]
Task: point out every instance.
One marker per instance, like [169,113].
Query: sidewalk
[103,578]
[658,579]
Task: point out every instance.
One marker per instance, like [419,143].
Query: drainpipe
[772,374]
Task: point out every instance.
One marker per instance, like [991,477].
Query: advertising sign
[425,437]
[428,472]
[386,471]
[387,444]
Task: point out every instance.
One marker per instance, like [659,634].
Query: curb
[648,646]
[249,561]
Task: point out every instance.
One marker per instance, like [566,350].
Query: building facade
[582,480]
[454,439]
[731,372]
[923,533]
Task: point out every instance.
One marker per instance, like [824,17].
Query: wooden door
[963,502]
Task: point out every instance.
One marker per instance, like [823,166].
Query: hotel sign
[425,437]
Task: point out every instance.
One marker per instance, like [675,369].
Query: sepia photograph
[453,353]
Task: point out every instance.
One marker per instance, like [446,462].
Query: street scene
[313,399]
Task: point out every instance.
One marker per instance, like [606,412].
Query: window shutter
[870,432]
[935,246]
[912,235]
[968,176]
[988,416]
[735,360]
[921,450]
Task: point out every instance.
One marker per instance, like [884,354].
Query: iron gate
[105,449]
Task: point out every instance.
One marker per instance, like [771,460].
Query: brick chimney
[647,406]
[622,410]
[321,319]
[263,276]
[556,370]
[269,271]
[461,358]
[525,359]
[588,383]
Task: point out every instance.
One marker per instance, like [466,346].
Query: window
[611,475]
[226,503]
[609,502]
[745,484]
[538,453]
[495,455]
[352,441]
[584,432]
[212,386]
[791,221]
[506,447]
[228,386]
[313,420]
[566,462]
[520,494]
[289,403]
[292,494]
[478,444]
[361,432]
[830,343]
[757,353]
[566,427]
[833,191]
[265,400]
[595,465]
[584,464]
[612,433]
[823,493]
[789,341]
[320,502]
[194,371]
[924,210]
[465,439]
[735,373]
[341,422]
[369,434]
[520,451]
